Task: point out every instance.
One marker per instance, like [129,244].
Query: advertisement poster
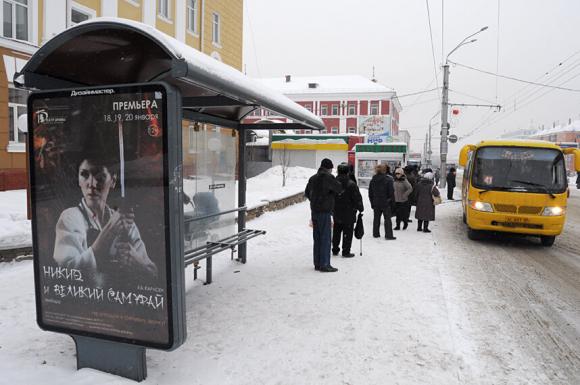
[376,128]
[99,197]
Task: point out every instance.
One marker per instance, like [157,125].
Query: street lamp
[445,105]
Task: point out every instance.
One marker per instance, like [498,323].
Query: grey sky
[333,37]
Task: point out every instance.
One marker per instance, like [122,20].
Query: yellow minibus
[515,186]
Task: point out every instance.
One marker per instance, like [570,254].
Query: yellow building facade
[214,27]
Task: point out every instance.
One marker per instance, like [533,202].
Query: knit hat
[343,169]
[428,175]
[327,164]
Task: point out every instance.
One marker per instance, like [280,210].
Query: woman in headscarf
[425,212]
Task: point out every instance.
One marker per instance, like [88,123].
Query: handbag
[436,200]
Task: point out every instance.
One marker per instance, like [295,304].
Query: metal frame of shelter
[109,51]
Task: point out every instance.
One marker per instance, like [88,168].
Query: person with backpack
[322,190]
[382,197]
[344,214]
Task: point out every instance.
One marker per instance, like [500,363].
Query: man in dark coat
[345,208]
[451,182]
[321,191]
[382,197]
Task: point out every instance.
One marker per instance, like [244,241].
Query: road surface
[512,302]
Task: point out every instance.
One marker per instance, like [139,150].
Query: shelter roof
[108,51]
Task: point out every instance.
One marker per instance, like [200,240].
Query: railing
[206,251]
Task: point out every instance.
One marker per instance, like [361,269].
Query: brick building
[214,27]
[346,104]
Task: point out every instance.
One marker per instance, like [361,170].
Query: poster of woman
[99,197]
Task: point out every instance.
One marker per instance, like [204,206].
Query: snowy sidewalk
[381,319]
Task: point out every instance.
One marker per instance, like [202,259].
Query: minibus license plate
[516,219]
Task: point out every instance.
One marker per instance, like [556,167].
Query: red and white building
[345,103]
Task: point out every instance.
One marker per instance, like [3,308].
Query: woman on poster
[96,239]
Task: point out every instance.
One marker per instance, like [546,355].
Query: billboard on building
[377,128]
[99,169]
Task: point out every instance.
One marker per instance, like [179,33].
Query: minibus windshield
[525,169]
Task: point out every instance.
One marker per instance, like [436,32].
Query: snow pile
[15,230]
[267,186]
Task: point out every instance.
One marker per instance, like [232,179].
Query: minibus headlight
[481,206]
[553,211]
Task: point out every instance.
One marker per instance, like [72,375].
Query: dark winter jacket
[347,203]
[321,191]
[451,180]
[381,192]
[425,207]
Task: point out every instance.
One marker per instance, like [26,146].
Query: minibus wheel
[547,240]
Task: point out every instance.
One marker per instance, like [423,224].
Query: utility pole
[444,126]
[429,149]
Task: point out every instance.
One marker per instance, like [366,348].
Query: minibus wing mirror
[576,153]
[464,154]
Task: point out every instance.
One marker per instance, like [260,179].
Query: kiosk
[132,147]
[368,156]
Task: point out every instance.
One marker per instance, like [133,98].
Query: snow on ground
[381,319]
[14,227]
[267,186]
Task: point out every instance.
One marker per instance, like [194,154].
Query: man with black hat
[321,190]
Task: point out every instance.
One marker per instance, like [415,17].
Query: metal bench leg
[208,271]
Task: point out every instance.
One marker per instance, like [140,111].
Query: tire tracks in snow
[519,286]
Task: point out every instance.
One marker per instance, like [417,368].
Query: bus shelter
[135,147]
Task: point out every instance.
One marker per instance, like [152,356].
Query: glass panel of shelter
[209,183]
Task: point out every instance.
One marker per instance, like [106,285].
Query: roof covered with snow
[572,127]
[355,84]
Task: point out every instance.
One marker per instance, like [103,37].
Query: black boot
[426,227]
[405,225]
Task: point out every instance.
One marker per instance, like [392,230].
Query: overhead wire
[512,98]
[417,93]
[432,45]
[525,104]
[513,78]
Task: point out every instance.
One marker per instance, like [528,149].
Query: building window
[16,108]
[308,131]
[192,16]
[324,131]
[79,13]
[352,109]
[163,8]
[334,130]
[15,19]
[308,107]
[335,109]
[324,110]
[215,31]
[374,108]
[352,130]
